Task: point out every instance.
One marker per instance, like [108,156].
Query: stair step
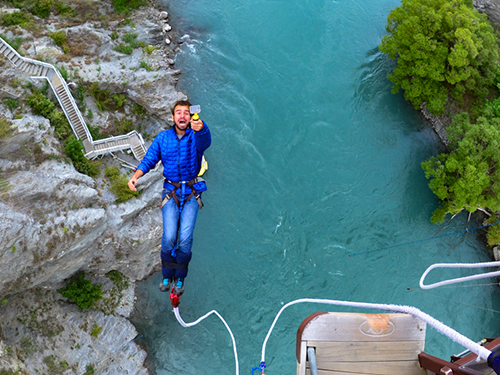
[16,60]
[10,54]
[74,119]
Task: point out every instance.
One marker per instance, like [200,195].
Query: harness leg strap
[176,266]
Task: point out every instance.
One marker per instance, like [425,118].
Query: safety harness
[181,185]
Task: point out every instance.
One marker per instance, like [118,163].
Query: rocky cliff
[56,221]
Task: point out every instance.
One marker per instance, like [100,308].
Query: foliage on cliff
[82,292]
[468,177]
[119,184]
[73,147]
[443,48]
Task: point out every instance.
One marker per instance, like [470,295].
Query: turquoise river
[313,159]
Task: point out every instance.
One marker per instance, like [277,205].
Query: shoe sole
[165,288]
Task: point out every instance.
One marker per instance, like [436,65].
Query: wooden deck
[361,344]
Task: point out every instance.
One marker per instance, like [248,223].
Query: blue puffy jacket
[181,158]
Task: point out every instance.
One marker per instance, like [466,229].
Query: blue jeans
[177,238]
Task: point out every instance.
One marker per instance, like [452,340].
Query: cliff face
[56,221]
[490,7]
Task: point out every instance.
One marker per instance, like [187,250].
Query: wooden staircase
[93,149]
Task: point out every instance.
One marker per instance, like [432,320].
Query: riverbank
[56,221]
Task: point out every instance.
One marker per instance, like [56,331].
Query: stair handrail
[118,138]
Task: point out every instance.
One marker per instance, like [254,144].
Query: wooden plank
[328,372]
[367,351]
[379,368]
[364,327]
[301,364]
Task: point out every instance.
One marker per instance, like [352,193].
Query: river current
[313,159]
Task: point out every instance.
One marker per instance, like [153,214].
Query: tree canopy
[468,177]
[443,48]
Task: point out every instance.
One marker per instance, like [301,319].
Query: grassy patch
[119,185]
[123,48]
[82,292]
[119,279]
[89,370]
[54,366]
[17,18]
[146,65]
[125,6]
[5,127]
[14,43]
[104,100]
[119,100]
[149,49]
[96,330]
[11,103]
[60,39]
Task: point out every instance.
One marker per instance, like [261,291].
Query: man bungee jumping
[180,149]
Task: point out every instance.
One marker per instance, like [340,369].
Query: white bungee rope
[459,279]
[474,347]
[187,325]
[480,351]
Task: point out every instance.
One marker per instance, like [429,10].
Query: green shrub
[15,19]
[102,97]
[468,177]
[89,370]
[123,48]
[443,48]
[64,9]
[139,109]
[41,8]
[96,330]
[95,131]
[11,103]
[119,185]
[119,99]
[62,128]
[59,37]
[493,235]
[149,49]
[75,151]
[40,104]
[125,6]
[64,72]
[82,292]
[130,38]
[146,65]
